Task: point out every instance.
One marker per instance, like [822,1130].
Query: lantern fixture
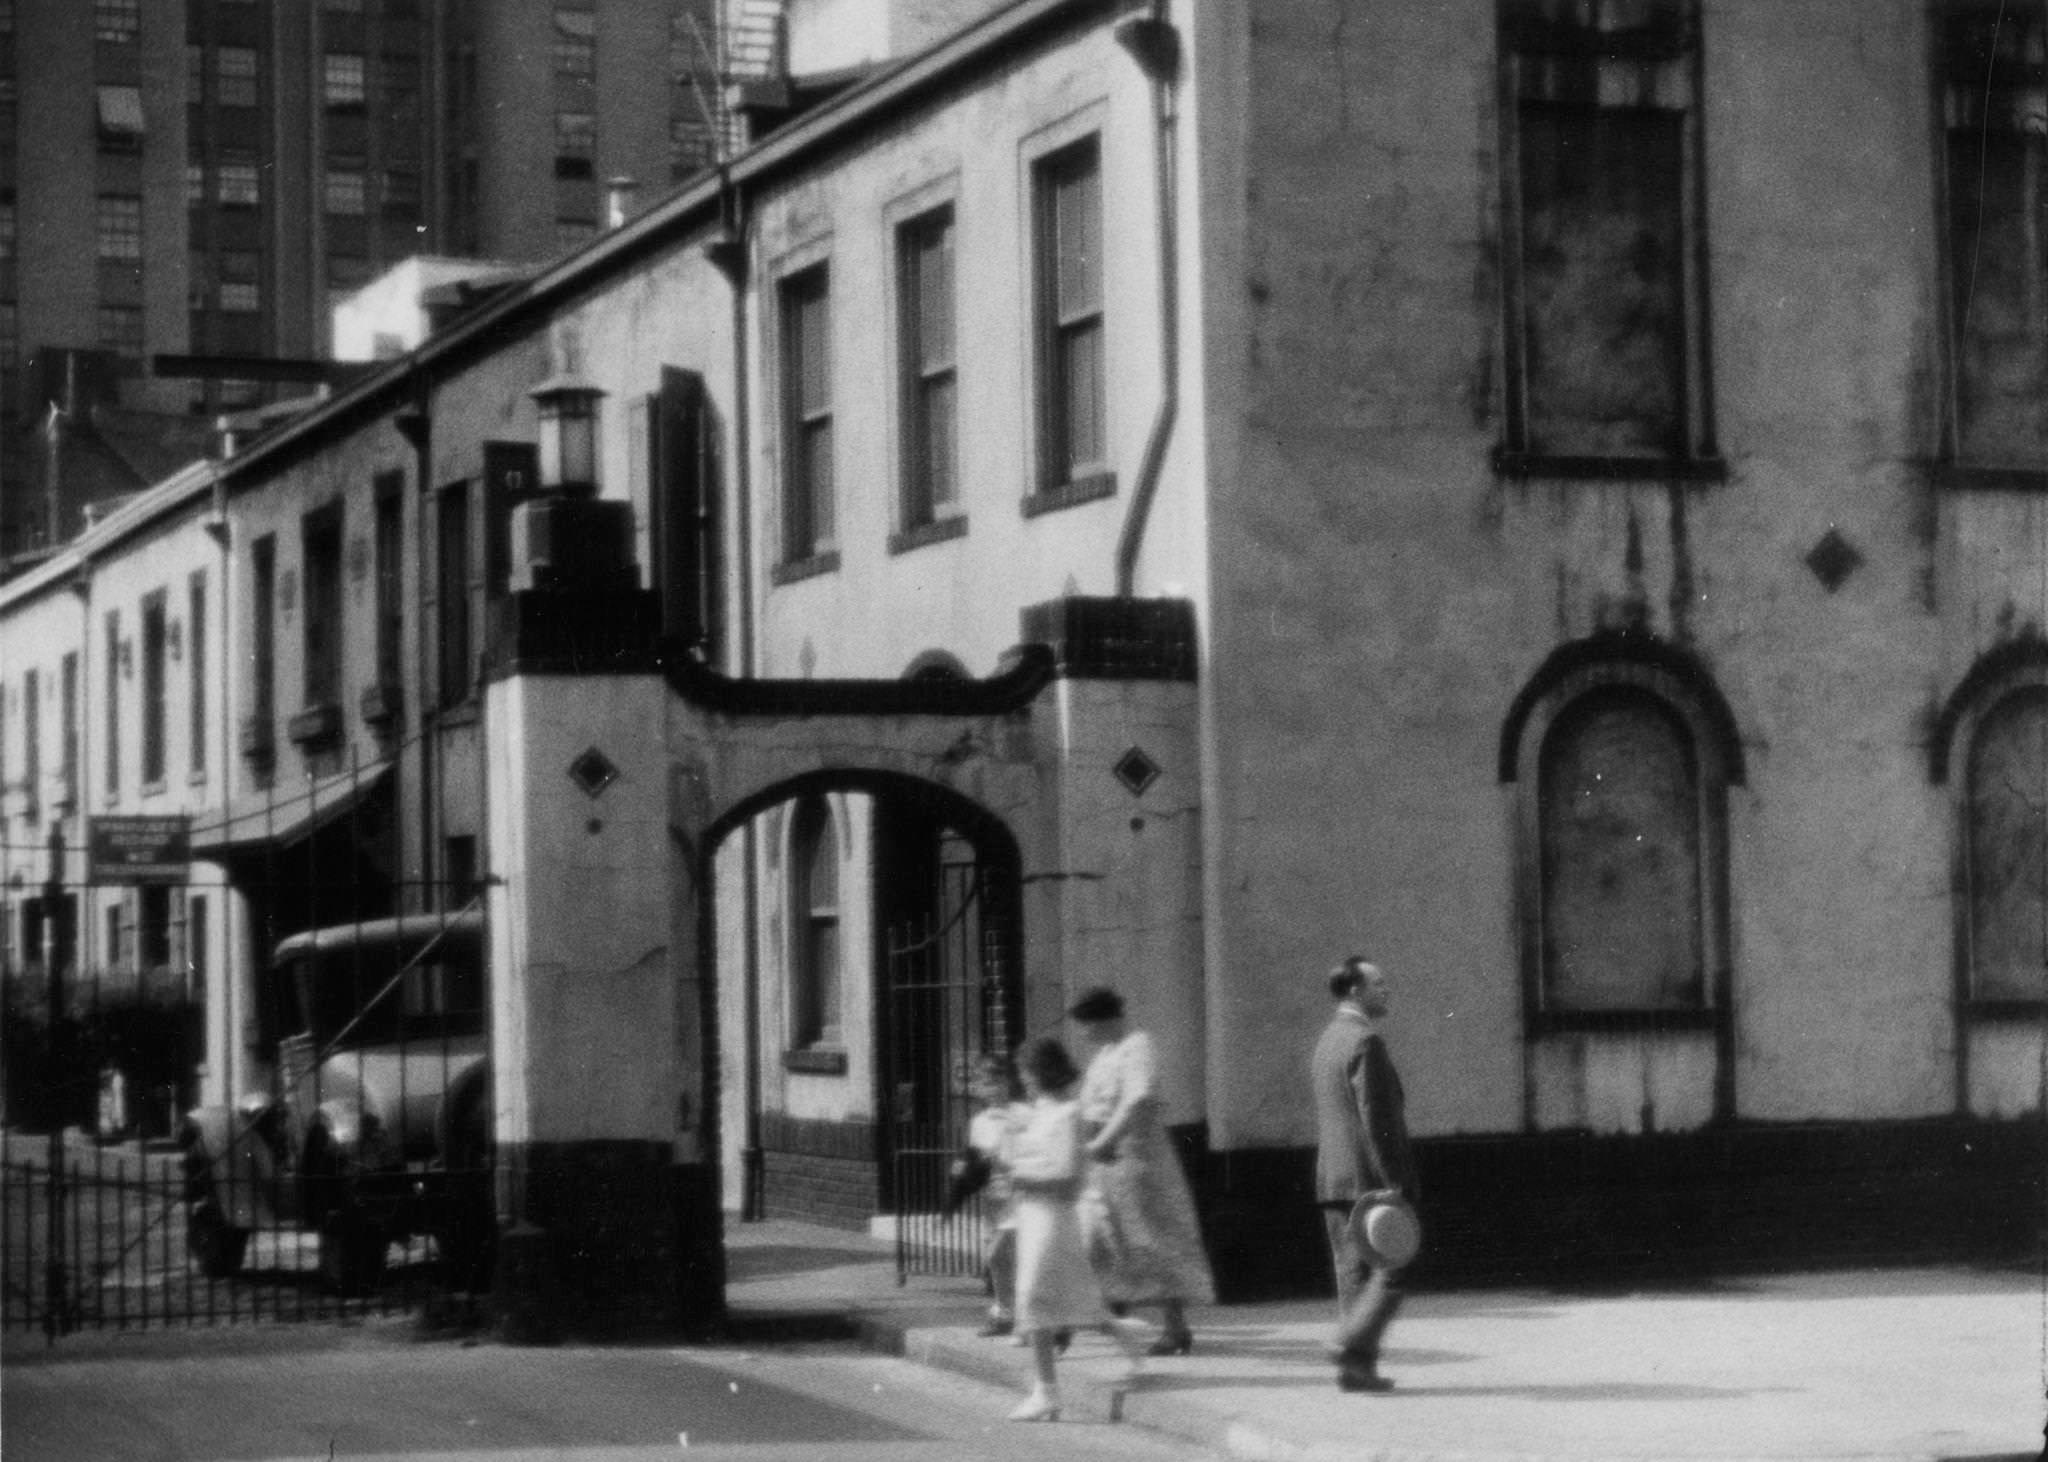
[568,434]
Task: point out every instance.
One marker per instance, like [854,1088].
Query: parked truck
[375,1127]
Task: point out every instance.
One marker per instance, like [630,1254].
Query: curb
[1173,1413]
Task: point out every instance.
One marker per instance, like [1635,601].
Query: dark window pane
[2008,832]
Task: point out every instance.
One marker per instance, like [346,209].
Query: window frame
[1061,475]
[1961,462]
[454,578]
[323,605]
[928,500]
[154,695]
[1692,703]
[807,539]
[817,996]
[117,228]
[1527,41]
[196,661]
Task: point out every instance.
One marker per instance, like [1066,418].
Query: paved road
[378,1394]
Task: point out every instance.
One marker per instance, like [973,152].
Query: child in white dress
[1056,1286]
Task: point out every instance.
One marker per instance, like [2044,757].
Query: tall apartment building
[206,177]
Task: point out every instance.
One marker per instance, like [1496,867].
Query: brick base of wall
[819,1172]
[1576,1210]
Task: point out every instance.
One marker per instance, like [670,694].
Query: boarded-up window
[2008,872]
[1603,136]
[1995,107]
[1620,830]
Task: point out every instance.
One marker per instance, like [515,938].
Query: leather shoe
[1360,1380]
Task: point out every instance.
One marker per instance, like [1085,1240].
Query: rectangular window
[196,660]
[1995,110]
[195,184]
[116,22]
[32,743]
[198,946]
[240,185]
[347,192]
[117,936]
[67,729]
[118,231]
[262,643]
[1067,190]
[153,927]
[320,540]
[1603,140]
[925,350]
[390,547]
[234,76]
[575,145]
[155,687]
[806,413]
[452,594]
[575,44]
[240,298]
[113,661]
[120,330]
[343,81]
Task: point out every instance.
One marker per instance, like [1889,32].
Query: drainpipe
[728,254]
[1155,45]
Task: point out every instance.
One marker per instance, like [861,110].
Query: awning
[284,815]
[120,109]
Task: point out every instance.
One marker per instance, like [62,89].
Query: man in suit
[1361,1147]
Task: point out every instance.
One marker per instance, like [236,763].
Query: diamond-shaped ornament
[593,771]
[1136,771]
[1833,559]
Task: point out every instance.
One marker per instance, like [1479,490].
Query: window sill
[798,569]
[196,779]
[815,1061]
[1962,477]
[1092,488]
[458,713]
[156,788]
[941,530]
[1525,465]
[315,727]
[1653,1022]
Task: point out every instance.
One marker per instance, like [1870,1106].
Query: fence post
[54,1277]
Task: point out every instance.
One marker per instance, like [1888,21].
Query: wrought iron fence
[134,1236]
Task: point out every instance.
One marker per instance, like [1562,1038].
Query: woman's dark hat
[1098,1004]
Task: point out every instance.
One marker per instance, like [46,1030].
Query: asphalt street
[374,1392]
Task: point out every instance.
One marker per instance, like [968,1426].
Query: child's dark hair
[1050,1065]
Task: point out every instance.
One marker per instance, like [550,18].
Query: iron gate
[951,996]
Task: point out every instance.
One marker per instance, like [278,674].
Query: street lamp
[568,434]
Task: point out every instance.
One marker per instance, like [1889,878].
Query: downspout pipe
[1155,45]
[729,254]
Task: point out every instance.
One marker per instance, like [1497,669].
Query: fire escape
[741,67]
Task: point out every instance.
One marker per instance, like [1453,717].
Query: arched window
[2006,835]
[1619,858]
[814,926]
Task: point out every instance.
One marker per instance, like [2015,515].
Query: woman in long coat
[1140,1216]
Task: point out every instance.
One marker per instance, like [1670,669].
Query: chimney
[619,197]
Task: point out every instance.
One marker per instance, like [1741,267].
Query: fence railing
[133,1237]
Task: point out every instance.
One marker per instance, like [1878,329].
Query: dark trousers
[1367,1294]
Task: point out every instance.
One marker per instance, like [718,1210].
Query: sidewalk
[1892,1364]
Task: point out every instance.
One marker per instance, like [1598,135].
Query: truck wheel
[351,1253]
[215,1244]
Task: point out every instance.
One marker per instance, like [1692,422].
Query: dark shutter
[683,512]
